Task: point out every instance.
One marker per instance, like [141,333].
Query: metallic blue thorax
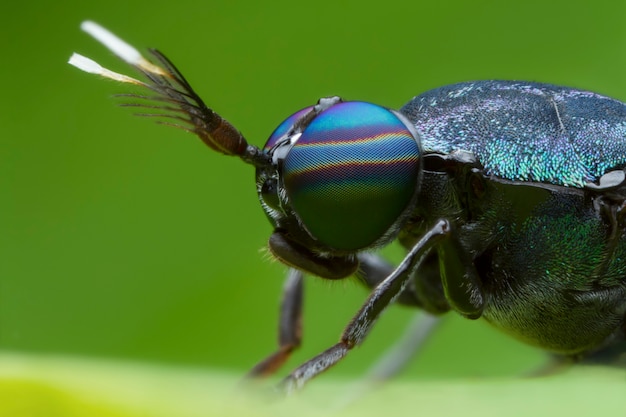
[525,131]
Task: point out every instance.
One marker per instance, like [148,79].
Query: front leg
[383,295]
[289,326]
[373,270]
[425,291]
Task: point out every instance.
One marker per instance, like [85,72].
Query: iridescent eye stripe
[351,174]
[356,178]
[348,153]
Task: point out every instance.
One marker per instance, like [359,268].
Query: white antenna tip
[112,42]
[89,65]
[85,64]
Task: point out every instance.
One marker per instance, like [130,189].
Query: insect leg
[395,358]
[424,291]
[383,295]
[373,269]
[418,331]
[289,326]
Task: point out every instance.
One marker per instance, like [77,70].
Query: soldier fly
[508,196]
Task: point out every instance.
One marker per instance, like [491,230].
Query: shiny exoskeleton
[537,205]
[508,196]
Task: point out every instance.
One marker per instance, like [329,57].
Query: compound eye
[284,127]
[352,173]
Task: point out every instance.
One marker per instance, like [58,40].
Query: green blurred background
[125,239]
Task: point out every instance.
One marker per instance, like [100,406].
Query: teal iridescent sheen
[525,131]
[284,127]
[351,174]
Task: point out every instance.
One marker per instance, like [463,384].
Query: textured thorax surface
[551,263]
[525,131]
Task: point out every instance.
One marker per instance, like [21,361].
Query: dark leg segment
[383,295]
[290,326]
[416,333]
[424,291]
[373,270]
[395,358]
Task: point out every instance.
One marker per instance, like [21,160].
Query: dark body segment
[525,131]
[549,252]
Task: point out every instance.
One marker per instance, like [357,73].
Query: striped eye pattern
[284,127]
[352,173]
